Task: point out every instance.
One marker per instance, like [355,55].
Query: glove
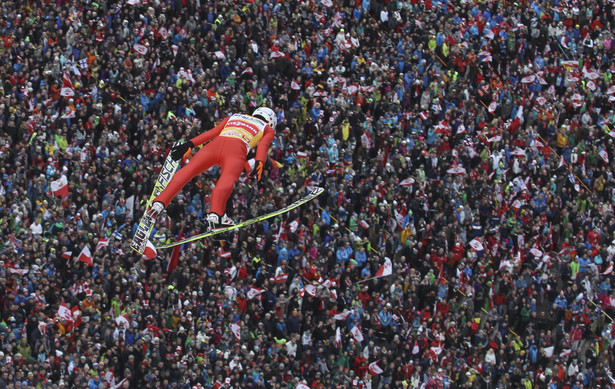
[258,170]
[177,152]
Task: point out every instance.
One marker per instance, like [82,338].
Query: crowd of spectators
[466,147]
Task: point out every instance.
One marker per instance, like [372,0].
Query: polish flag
[282,277]
[59,187]
[64,313]
[68,89]
[356,333]
[301,154]
[310,289]
[341,315]
[294,85]
[150,251]
[163,33]
[338,337]
[374,369]
[364,224]
[293,225]
[605,156]
[407,182]
[386,269]
[102,242]
[223,253]
[67,254]
[253,292]
[86,256]
[476,245]
[139,48]
[493,106]
[276,54]
[123,319]
[236,331]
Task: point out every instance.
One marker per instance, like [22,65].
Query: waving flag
[68,89]
[102,242]
[385,269]
[253,292]
[64,313]
[59,187]
[294,85]
[123,319]
[236,331]
[341,315]
[605,156]
[86,256]
[139,48]
[67,254]
[374,369]
[338,337]
[356,333]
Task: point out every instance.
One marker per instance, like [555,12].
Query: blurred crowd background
[464,240]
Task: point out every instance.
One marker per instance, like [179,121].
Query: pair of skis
[169,168]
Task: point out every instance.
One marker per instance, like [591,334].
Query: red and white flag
[493,106]
[59,187]
[86,256]
[294,85]
[68,114]
[327,3]
[236,331]
[150,251]
[562,161]
[374,369]
[102,242]
[220,55]
[356,333]
[341,315]
[338,337]
[253,292]
[423,115]
[123,319]
[301,154]
[476,245]
[407,182]
[64,313]
[223,253]
[163,33]
[309,289]
[608,270]
[528,79]
[605,156]
[276,54]
[282,277]
[247,70]
[68,90]
[302,386]
[385,269]
[67,254]
[139,48]
[294,225]
[364,224]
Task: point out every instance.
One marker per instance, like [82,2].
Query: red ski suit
[231,140]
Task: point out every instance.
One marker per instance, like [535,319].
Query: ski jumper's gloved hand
[258,170]
[177,152]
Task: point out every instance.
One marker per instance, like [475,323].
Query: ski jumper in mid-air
[229,143]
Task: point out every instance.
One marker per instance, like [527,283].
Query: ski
[314,192]
[139,241]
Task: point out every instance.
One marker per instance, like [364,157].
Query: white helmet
[268,115]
